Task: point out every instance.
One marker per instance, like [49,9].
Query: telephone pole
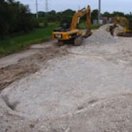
[46,6]
[99,11]
[37,9]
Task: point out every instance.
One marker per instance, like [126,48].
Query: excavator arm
[76,19]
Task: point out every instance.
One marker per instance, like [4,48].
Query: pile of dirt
[101,36]
[28,65]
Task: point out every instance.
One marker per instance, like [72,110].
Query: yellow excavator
[126,24]
[72,33]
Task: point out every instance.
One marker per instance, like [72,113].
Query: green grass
[17,43]
[95,26]
[83,26]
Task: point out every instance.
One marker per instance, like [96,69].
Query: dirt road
[70,89]
[20,65]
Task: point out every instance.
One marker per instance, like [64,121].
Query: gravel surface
[88,89]
[101,36]
[28,65]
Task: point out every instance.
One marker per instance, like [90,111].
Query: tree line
[17,18]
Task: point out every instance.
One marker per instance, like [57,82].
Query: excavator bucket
[126,24]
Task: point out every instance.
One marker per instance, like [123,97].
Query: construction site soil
[28,65]
[68,89]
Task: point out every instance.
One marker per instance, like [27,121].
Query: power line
[99,10]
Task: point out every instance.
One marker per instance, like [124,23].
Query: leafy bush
[15,17]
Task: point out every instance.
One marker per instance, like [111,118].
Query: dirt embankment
[29,65]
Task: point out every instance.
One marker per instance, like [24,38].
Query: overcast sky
[60,5]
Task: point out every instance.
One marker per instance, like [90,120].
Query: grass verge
[93,26]
[17,43]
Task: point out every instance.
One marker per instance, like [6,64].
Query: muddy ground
[69,89]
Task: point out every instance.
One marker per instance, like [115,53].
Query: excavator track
[125,34]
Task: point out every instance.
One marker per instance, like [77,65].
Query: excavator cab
[64,26]
[70,31]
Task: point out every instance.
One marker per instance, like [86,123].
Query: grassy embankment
[19,42]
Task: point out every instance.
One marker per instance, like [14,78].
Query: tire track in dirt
[29,65]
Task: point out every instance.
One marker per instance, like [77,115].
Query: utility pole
[99,11]
[37,9]
[46,6]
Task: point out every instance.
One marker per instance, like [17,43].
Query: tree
[106,14]
[117,13]
[4,15]
[14,17]
[94,15]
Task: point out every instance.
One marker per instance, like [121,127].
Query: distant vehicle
[71,32]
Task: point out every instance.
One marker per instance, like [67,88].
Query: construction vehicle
[72,33]
[126,24]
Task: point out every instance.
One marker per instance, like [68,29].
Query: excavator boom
[78,15]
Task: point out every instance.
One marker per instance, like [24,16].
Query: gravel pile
[101,36]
